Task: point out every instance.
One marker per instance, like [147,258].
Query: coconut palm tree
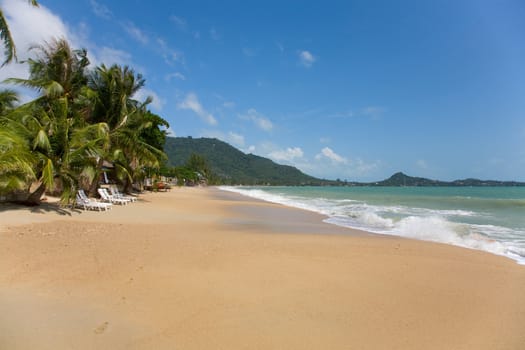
[55,123]
[126,118]
[133,150]
[5,36]
[16,159]
[8,100]
[76,123]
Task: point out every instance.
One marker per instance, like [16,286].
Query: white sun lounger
[108,198]
[91,204]
[116,194]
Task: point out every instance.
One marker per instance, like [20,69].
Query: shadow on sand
[43,208]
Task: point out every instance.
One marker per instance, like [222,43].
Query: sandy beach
[197,268]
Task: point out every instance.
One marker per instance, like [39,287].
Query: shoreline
[450,232]
[197,268]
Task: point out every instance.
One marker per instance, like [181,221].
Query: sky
[350,90]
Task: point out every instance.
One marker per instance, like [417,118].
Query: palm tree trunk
[94,184]
[128,186]
[33,199]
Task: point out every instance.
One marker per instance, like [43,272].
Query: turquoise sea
[491,219]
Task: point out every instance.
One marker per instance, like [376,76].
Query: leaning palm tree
[54,122]
[16,159]
[5,36]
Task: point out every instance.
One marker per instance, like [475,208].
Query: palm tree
[5,36]
[115,87]
[16,162]
[16,159]
[8,100]
[55,122]
[133,151]
[126,119]
[76,123]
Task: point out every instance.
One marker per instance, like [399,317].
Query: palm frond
[41,141]
[48,174]
[5,36]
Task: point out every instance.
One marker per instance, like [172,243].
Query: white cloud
[328,153]
[306,58]
[177,75]
[30,26]
[135,32]
[340,115]
[157,103]
[236,139]
[170,132]
[33,26]
[288,154]
[359,167]
[170,55]
[100,10]
[329,164]
[191,102]
[228,104]
[258,119]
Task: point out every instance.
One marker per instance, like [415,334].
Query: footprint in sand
[102,328]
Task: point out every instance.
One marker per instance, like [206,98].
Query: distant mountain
[233,166]
[400,179]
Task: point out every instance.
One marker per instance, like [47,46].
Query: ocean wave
[440,230]
[426,224]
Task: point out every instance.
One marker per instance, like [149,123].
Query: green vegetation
[228,165]
[81,119]
[400,179]
[195,170]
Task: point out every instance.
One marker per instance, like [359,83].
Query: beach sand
[197,268]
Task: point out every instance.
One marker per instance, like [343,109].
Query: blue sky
[353,90]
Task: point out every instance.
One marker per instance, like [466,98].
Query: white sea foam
[418,223]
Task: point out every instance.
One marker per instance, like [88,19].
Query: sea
[491,219]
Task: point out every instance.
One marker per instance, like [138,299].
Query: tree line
[81,120]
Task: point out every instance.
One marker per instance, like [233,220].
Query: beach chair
[82,201]
[110,199]
[116,194]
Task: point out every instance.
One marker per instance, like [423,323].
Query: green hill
[400,179]
[233,166]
